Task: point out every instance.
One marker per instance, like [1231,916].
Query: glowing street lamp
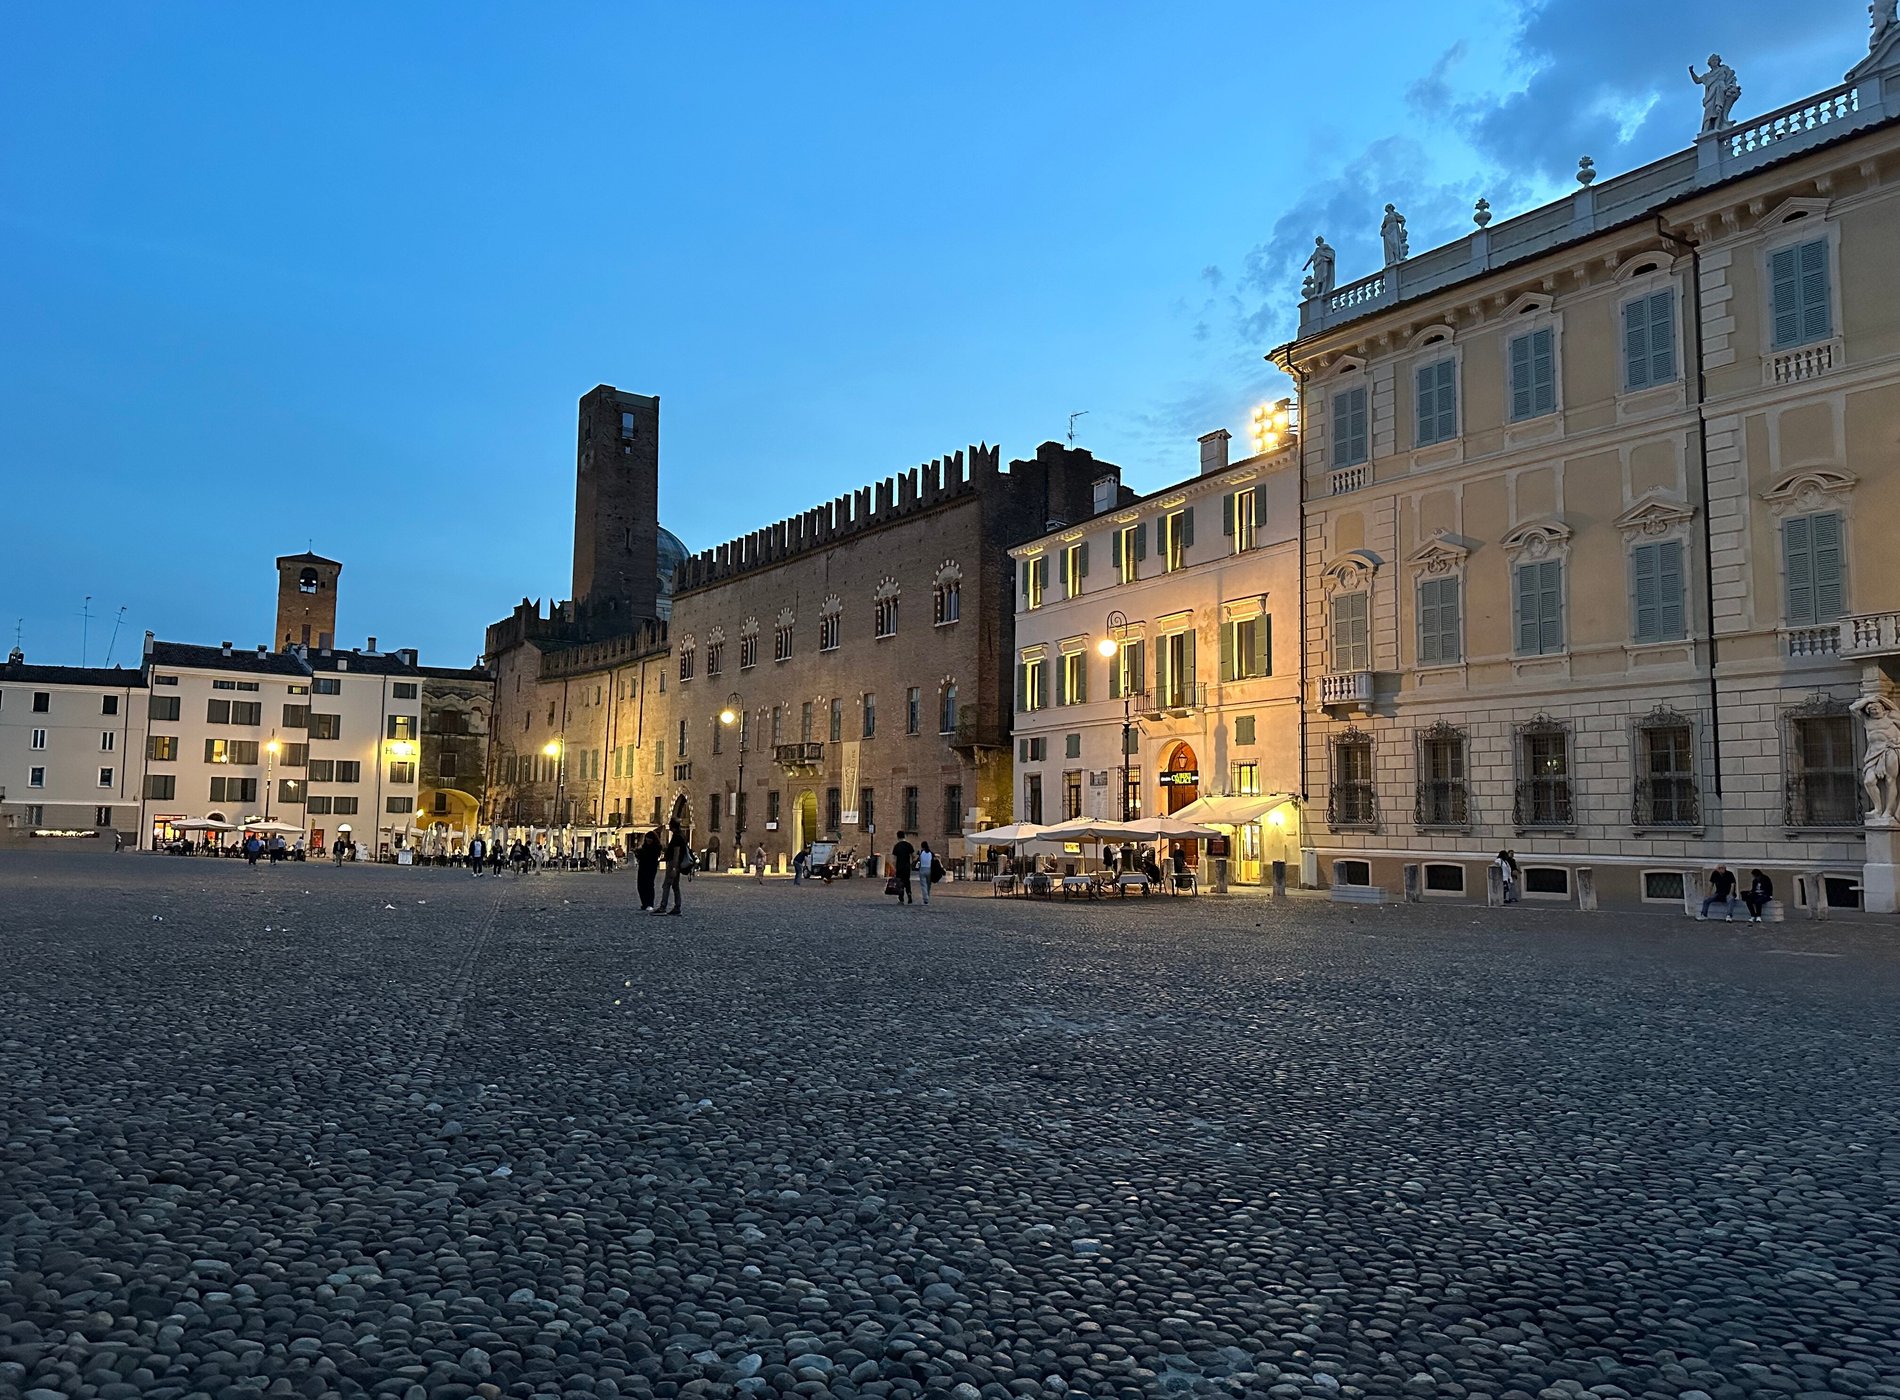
[729,717]
[270,774]
[555,750]
[1109,648]
[1271,423]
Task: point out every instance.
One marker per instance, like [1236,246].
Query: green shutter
[1081,696]
[1041,563]
[1797,552]
[1263,645]
[1026,565]
[1227,514]
[1062,671]
[1115,552]
[1816,316]
[1227,640]
[1022,686]
[1141,541]
[1114,678]
[1082,560]
[1138,667]
[1187,659]
[1187,528]
[1161,669]
[1784,278]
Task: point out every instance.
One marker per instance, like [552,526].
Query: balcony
[1350,479]
[1346,690]
[1824,640]
[1870,634]
[1802,363]
[798,756]
[974,732]
[1176,701]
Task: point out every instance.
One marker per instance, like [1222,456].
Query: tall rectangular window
[1543,785]
[805,719]
[163,707]
[1072,678]
[1533,358]
[1443,799]
[1128,672]
[1824,780]
[1075,568]
[910,809]
[1029,684]
[837,721]
[1350,440]
[952,809]
[867,808]
[913,710]
[1437,402]
[1071,794]
[1352,632]
[1440,632]
[1353,798]
[1540,603]
[1245,651]
[1032,798]
[1649,340]
[1656,613]
[1665,774]
[1246,778]
[1798,278]
[1240,518]
[1131,547]
[947,709]
[870,714]
[1035,580]
[1813,563]
[42,702]
[1175,670]
[834,810]
[1177,538]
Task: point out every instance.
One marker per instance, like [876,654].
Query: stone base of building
[1880,876]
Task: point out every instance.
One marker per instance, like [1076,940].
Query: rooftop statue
[1720,92]
[1392,232]
[1882,12]
[1321,282]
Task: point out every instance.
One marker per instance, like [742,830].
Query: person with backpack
[927,869]
[1761,890]
[678,861]
[477,853]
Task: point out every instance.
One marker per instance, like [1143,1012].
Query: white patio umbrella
[275,828]
[1167,829]
[1231,811]
[1010,835]
[203,824]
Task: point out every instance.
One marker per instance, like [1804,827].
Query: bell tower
[306,601]
[617,504]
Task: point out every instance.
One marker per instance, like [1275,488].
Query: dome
[673,553]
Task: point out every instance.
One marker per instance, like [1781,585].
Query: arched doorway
[1182,777]
[804,820]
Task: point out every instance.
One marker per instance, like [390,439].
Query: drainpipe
[1702,453]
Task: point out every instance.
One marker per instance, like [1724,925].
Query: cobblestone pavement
[309,1131]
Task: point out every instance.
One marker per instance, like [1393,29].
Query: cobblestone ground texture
[310,1131]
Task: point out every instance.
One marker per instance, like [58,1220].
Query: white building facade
[71,750]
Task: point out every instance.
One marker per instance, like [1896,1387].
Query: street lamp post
[1110,647]
[557,751]
[730,716]
[270,775]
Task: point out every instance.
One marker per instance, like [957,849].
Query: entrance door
[1183,779]
[804,820]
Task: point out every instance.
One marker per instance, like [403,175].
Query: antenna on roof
[85,627]
[115,633]
[1072,417]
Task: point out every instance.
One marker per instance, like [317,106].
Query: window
[107,776]
[782,642]
[748,650]
[771,805]
[1177,538]
[163,707]
[805,717]
[234,685]
[828,631]
[867,808]
[1798,278]
[884,620]
[317,806]
[402,771]
[1244,730]
[1127,673]
[1437,402]
[164,680]
[837,721]
[1352,632]
[1543,777]
[948,601]
[349,770]
[242,752]
[161,787]
[161,748]
[1533,374]
[1072,678]
[1540,607]
[1131,793]
[1352,872]
[1071,794]
[1175,671]
[297,690]
[1665,792]
[36,777]
[1071,745]
[1813,565]
[947,710]
[1240,518]
[715,810]
[1075,568]
[403,690]
[108,705]
[296,716]
[322,770]
[401,727]
[1656,613]
[1245,779]
[1546,880]
[217,712]
[1029,684]
[913,710]
[290,791]
[250,712]
[1353,799]
[1440,635]
[1444,879]
[1823,778]
[344,806]
[715,658]
[1131,547]
[834,810]
[399,805]
[1032,798]
[439,804]
[294,756]
[869,700]
[689,659]
[1649,340]
[626,424]
[1662,886]
[233,789]
[953,809]
[39,739]
[1035,580]
[1443,798]
[778,725]
[1246,651]
[327,685]
[1349,427]
[1033,750]
[326,726]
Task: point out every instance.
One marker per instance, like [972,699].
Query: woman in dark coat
[647,862]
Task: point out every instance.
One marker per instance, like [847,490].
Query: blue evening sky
[276,275]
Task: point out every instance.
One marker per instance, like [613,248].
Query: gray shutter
[1263,645]
[1662,336]
[1161,669]
[1187,528]
[1041,562]
[1138,669]
[1636,344]
[1062,671]
[1081,696]
[1527,609]
[1521,398]
[1816,316]
[1115,552]
[1187,659]
[1082,560]
[1797,554]
[1784,277]
[1669,617]
[1550,602]
[1544,370]
[1227,630]
[1645,600]
[1026,565]
[1830,594]
[1141,541]
[1115,677]
[1227,514]
[1022,686]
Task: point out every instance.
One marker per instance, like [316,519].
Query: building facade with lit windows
[1596,504]
[1157,656]
[71,739]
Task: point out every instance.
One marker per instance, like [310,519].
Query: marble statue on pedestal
[1392,233]
[1321,282]
[1882,12]
[1880,765]
[1720,92]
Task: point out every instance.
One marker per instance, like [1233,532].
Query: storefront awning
[1233,811]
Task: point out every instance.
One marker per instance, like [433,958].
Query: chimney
[227,649]
[1103,492]
[370,650]
[1214,451]
[16,657]
[262,650]
[149,639]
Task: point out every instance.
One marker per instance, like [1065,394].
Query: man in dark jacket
[1721,891]
[676,854]
[1761,889]
[903,856]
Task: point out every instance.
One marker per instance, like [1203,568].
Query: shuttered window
[1814,564]
[1439,634]
[1540,603]
[1246,648]
[1438,403]
[1798,277]
[1534,374]
[1656,592]
[1649,340]
[1352,635]
[1349,427]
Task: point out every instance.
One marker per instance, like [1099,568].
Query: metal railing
[1351,802]
[799,755]
[1825,799]
[1665,802]
[1543,802]
[1442,802]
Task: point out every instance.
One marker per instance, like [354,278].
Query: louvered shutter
[1521,397]
[1543,371]
[1022,686]
[1082,560]
[1062,679]
[1161,670]
[1550,617]
[1636,344]
[1527,609]
[1797,552]
[1115,677]
[1830,592]
[1081,696]
[1227,514]
[1662,336]
[1026,567]
[1187,528]
[1141,541]
[1784,277]
[1187,659]
[1645,563]
[1669,619]
[1263,645]
[1115,552]
[1816,317]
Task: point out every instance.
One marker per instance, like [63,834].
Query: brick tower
[306,600]
[617,505]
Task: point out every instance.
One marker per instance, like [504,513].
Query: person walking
[1721,891]
[926,869]
[801,865]
[903,856]
[497,858]
[758,863]
[1506,864]
[252,847]
[646,861]
[675,856]
[1761,889]
[477,853]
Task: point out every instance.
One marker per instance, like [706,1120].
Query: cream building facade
[71,739]
[1599,502]
[1196,588]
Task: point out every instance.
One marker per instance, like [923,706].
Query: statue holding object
[1321,261]
[1880,764]
[1720,93]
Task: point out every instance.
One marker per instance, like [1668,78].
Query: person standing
[926,869]
[252,846]
[1721,891]
[903,856]
[758,863]
[646,860]
[477,853]
[1761,889]
[801,864]
[675,857]
[1507,876]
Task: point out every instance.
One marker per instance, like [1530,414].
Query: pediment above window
[1350,572]
[1531,304]
[1809,488]
[1794,211]
[1644,262]
[1537,539]
[1346,365]
[1443,553]
[1426,336]
[1654,515]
